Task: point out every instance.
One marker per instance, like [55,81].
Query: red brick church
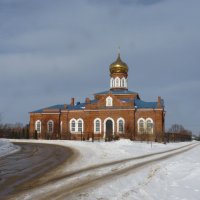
[115,113]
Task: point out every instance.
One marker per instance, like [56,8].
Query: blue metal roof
[127,100]
[37,111]
[142,104]
[81,106]
[77,106]
[58,106]
[116,92]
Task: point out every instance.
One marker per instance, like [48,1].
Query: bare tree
[178,133]
[176,128]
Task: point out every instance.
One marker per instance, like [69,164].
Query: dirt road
[31,162]
[67,186]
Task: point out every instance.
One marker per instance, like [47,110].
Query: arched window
[141,125]
[109,126]
[50,126]
[80,125]
[109,101]
[76,125]
[111,82]
[149,126]
[97,125]
[120,125]
[123,84]
[38,126]
[117,82]
[126,82]
[72,125]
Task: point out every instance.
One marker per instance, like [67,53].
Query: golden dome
[118,66]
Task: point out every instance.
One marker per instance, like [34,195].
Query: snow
[175,178]
[91,153]
[178,178]
[6,147]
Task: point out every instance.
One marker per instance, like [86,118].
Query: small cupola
[118,74]
[118,66]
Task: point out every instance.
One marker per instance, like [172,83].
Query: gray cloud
[125,2]
[51,51]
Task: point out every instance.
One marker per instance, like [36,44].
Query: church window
[120,123]
[126,82]
[109,101]
[117,82]
[123,82]
[141,125]
[38,126]
[97,125]
[80,125]
[149,126]
[50,126]
[76,125]
[73,125]
[111,82]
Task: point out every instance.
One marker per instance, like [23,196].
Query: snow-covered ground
[7,147]
[91,153]
[176,178]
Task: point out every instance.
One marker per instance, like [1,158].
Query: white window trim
[95,125]
[111,82]
[81,127]
[138,123]
[149,119]
[50,121]
[109,101]
[126,82]
[145,125]
[104,125]
[38,121]
[76,125]
[117,82]
[118,125]
[70,125]
[123,82]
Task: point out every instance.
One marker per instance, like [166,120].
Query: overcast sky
[52,50]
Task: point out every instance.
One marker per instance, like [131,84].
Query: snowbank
[6,147]
[176,178]
[173,178]
[92,153]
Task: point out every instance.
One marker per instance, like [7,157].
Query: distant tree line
[14,131]
[196,137]
[178,133]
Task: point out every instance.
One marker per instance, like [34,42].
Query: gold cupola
[118,75]
[118,66]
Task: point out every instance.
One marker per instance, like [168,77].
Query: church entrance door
[109,129]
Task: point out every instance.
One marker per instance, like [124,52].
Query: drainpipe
[59,135]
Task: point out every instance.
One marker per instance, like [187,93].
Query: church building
[112,114]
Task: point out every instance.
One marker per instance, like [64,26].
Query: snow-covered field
[176,178]
[7,147]
[91,153]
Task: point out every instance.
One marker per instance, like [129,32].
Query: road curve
[67,185]
[31,162]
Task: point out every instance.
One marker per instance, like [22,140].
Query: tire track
[31,162]
[94,175]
